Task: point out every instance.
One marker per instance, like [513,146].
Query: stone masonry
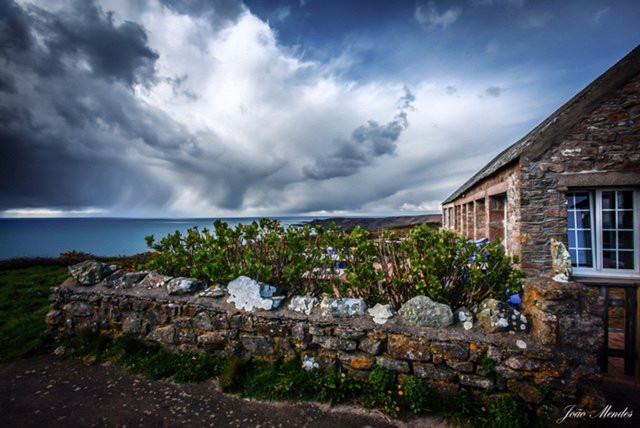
[604,145]
[552,365]
[593,141]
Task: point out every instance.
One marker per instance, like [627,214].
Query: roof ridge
[561,118]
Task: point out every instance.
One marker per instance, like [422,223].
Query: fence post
[629,330]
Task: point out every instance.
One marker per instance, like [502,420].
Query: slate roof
[553,128]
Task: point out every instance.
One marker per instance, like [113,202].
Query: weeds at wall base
[288,381]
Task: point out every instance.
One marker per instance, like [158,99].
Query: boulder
[465,317]
[181,285]
[381,313]
[214,291]
[518,321]
[304,304]
[495,316]
[90,272]
[154,280]
[248,294]
[424,312]
[342,308]
[122,280]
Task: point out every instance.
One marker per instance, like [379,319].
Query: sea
[49,237]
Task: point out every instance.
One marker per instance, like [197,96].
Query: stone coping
[395,325]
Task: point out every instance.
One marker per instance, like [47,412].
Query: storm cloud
[207,108]
[366,144]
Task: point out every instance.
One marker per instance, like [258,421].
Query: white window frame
[596,236]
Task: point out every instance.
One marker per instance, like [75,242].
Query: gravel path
[52,392]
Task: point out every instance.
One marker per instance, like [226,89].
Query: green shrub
[506,412]
[230,373]
[337,386]
[417,396]
[380,268]
[381,391]
[488,368]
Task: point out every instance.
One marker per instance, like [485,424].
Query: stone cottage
[574,178]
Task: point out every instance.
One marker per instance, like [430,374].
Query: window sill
[626,280]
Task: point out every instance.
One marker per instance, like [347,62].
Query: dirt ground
[52,392]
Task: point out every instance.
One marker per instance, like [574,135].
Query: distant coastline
[377,223]
[113,237]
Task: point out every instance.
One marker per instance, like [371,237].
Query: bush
[506,412]
[382,268]
[417,395]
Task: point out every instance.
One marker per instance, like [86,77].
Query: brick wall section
[450,358]
[490,222]
[607,140]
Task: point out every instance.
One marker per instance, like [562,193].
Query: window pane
[625,259]
[584,219]
[585,258]
[609,259]
[625,240]
[608,219]
[625,220]
[609,240]
[574,260]
[584,239]
[579,201]
[572,239]
[608,203]
[625,200]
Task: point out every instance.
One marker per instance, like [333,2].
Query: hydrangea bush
[381,268]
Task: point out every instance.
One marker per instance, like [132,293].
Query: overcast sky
[221,108]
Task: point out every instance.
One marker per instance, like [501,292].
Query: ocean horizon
[101,236]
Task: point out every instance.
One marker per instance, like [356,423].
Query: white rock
[304,304]
[502,322]
[561,278]
[248,294]
[521,344]
[468,325]
[342,308]
[381,313]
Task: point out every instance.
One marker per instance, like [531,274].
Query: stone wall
[482,210]
[552,365]
[602,149]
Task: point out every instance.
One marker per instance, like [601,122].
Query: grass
[23,305]
[149,361]
[24,302]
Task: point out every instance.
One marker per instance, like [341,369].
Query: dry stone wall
[551,365]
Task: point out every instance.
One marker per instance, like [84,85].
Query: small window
[603,235]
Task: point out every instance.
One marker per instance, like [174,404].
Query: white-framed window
[603,232]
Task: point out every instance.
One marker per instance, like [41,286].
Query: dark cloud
[366,144]
[65,128]
[451,90]
[112,51]
[493,91]
[219,13]
[82,34]
[14,28]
